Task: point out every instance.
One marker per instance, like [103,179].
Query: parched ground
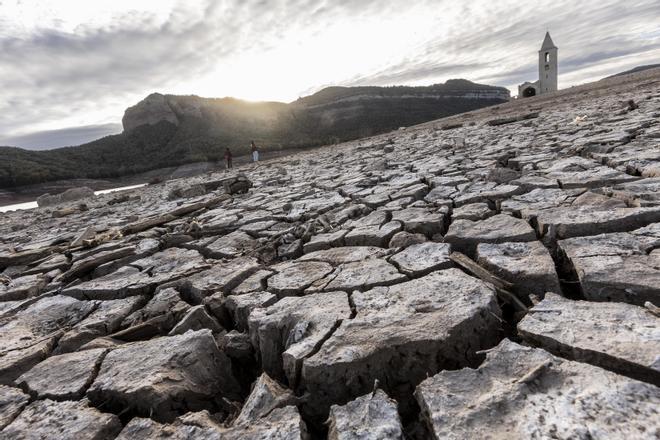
[491,275]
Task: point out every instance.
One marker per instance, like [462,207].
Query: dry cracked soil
[491,275]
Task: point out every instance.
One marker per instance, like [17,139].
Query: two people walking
[228,155]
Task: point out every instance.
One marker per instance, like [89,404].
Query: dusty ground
[494,274]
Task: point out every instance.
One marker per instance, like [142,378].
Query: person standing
[255,152]
[228,163]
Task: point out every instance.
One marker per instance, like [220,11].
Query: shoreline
[29,193]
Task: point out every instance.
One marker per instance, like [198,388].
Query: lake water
[32,205]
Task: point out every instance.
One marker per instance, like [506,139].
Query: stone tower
[547,66]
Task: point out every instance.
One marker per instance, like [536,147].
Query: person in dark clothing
[228,164]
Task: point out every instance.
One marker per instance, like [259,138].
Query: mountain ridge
[170,130]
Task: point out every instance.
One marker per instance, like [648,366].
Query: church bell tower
[548,66]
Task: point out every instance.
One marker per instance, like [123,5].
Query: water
[33,204]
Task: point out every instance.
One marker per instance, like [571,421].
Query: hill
[636,70]
[170,130]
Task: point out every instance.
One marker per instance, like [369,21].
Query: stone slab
[47,419]
[164,376]
[401,334]
[528,266]
[616,336]
[522,393]
[373,416]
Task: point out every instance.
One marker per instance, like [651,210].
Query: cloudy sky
[68,68]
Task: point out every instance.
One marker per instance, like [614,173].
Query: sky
[69,69]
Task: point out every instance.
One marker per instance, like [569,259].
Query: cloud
[69,64]
[64,137]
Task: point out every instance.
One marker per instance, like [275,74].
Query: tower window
[547,57]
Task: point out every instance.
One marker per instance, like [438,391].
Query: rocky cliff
[333,114]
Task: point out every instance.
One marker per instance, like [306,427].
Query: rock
[53,263]
[640,193]
[465,235]
[372,235]
[502,175]
[150,111]
[29,336]
[104,320]
[325,241]
[483,192]
[165,376]
[421,259]
[66,376]
[237,185]
[621,267]
[285,333]
[561,223]
[363,274]
[512,119]
[404,239]
[347,254]
[592,199]
[253,283]
[70,195]
[238,346]
[415,192]
[294,277]
[280,424]
[12,402]
[142,276]
[240,306]
[11,257]
[529,204]
[472,211]
[594,177]
[166,302]
[45,419]
[219,278]
[291,250]
[266,395]
[528,266]
[372,416]
[22,287]
[87,234]
[147,429]
[230,245]
[619,337]
[202,419]
[218,221]
[196,319]
[401,334]
[311,207]
[83,266]
[187,192]
[421,220]
[539,396]
[441,196]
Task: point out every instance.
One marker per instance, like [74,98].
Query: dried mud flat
[409,285]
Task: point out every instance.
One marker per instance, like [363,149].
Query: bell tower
[548,66]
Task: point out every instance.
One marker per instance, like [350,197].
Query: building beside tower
[547,81]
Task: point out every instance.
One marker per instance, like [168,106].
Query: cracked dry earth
[401,286]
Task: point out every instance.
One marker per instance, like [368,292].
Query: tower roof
[547,42]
